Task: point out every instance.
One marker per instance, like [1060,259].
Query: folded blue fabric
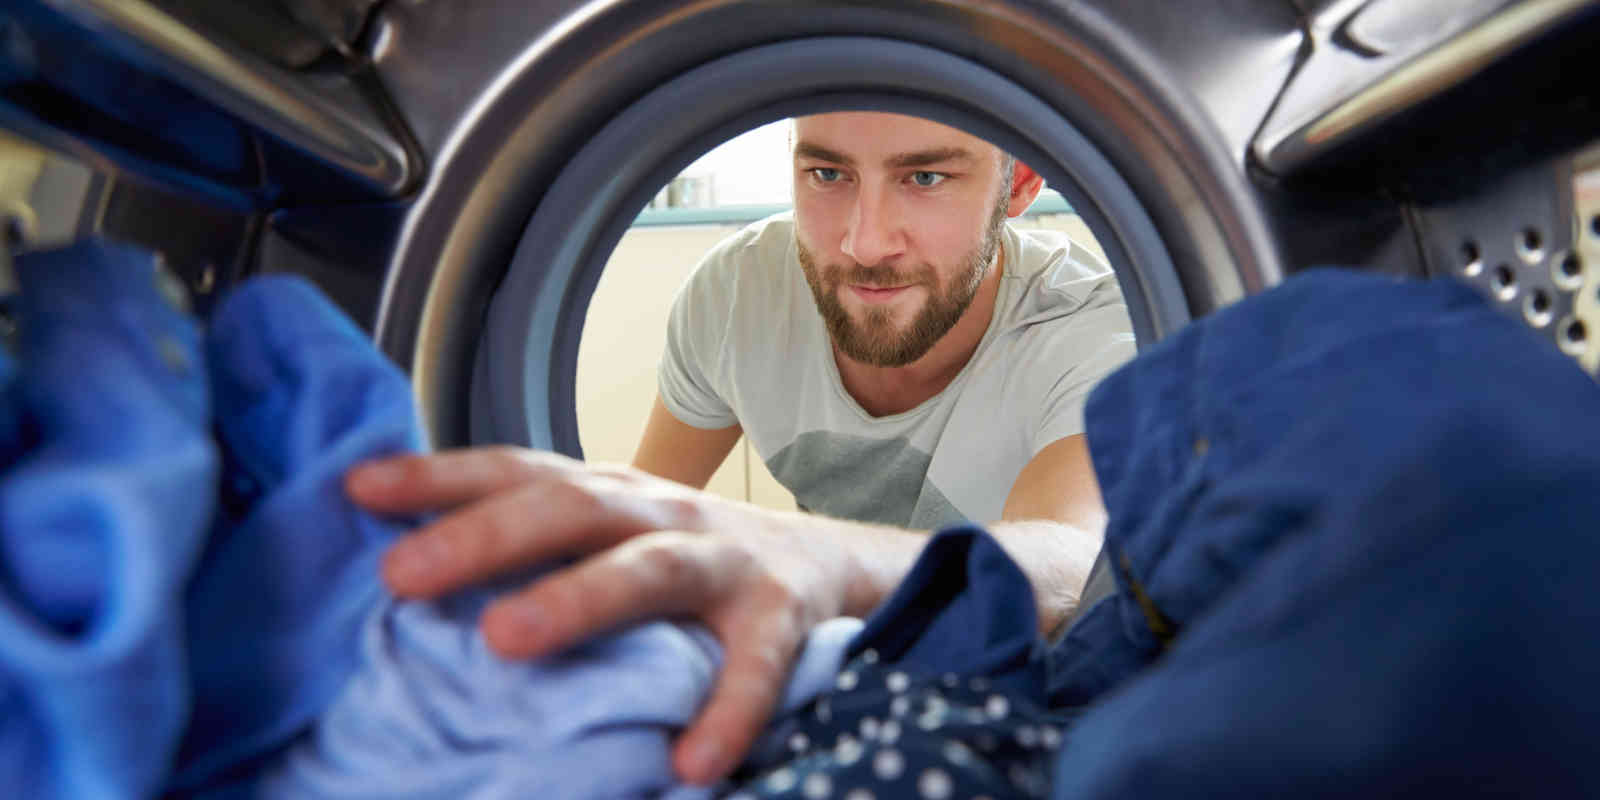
[104,508]
[433,713]
[290,570]
[944,694]
[1352,522]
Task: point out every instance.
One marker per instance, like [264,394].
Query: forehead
[872,136]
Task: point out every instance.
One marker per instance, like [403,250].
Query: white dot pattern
[888,764]
[957,753]
[934,784]
[996,707]
[817,786]
[960,737]
[847,681]
[781,781]
[848,751]
[898,681]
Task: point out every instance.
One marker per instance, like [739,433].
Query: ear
[1025,187]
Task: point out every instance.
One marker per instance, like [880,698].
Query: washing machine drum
[1194,142]
[457,174]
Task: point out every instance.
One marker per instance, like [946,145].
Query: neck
[882,391]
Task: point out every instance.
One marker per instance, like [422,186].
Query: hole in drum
[1572,336]
[1530,242]
[1505,282]
[1537,308]
[1471,258]
[1575,332]
[12,232]
[1594,225]
[1568,273]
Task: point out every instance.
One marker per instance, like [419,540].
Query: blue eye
[825,174]
[928,180]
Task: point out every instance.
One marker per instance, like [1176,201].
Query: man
[941,323]
[894,351]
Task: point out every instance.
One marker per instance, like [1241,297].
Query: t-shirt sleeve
[1100,340]
[697,330]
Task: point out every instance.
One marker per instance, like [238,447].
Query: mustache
[856,274]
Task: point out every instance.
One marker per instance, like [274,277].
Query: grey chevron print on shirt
[870,480]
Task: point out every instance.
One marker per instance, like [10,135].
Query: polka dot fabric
[934,701]
[886,734]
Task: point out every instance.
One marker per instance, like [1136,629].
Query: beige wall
[624,334]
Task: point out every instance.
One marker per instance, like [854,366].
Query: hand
[647,548]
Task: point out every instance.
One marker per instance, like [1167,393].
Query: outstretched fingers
[409,484]
[536,522]
[648,577]
[508,509]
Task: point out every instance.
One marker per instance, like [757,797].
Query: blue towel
[290,570]
[104,508]
[1353,530]
[153,637]
[434,713]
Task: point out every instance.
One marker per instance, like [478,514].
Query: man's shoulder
[763,243]
[745,264]
[1054,276]
[743,283]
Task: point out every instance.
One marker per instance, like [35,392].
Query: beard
[875,340]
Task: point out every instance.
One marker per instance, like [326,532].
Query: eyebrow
[921,158]
[817,151]
[927,158]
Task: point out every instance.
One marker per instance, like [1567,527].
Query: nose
[875,233]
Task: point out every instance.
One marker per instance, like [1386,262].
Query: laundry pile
[183,582]
[1352,531]
[191,605]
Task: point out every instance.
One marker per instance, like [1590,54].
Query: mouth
[872,294]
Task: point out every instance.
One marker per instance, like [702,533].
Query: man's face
[897,221]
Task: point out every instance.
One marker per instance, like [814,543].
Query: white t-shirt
[746,346]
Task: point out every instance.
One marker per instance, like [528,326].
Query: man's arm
[651,548]
[681,452]
[1052,525]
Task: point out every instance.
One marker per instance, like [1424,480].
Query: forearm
[873,559]
[1055,557]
